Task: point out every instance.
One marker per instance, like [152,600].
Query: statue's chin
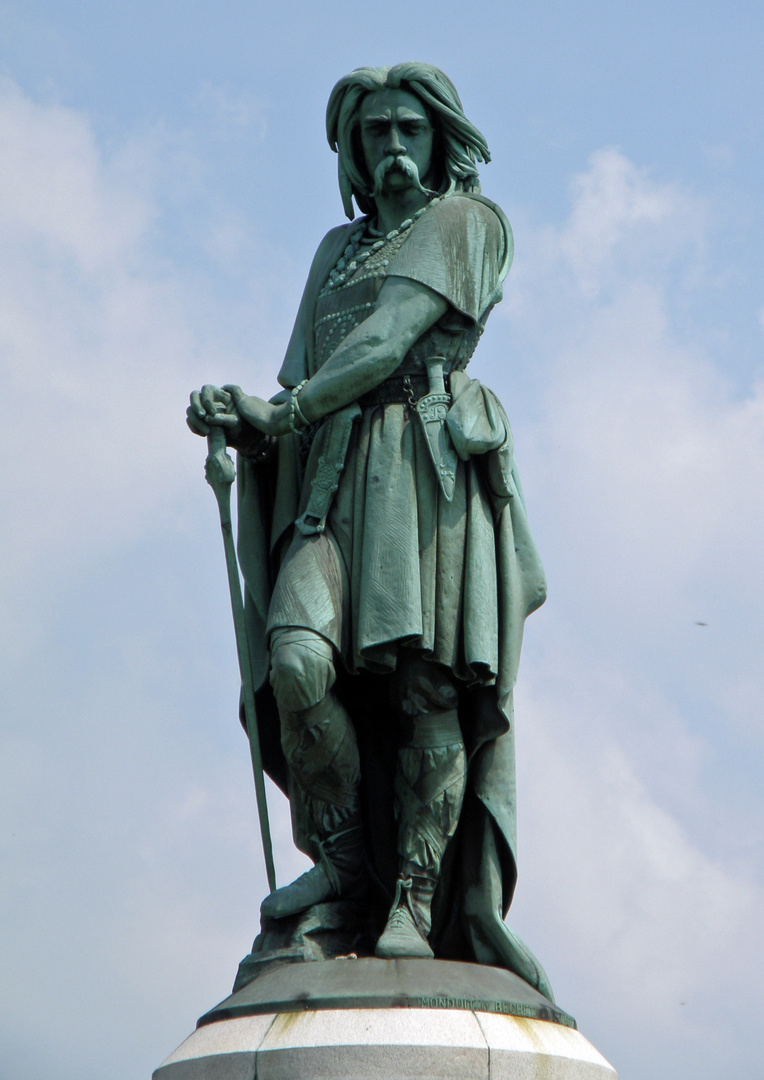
[397,180]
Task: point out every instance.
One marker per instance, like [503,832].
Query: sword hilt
[434,365]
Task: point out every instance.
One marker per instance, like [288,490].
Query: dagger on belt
[431,410]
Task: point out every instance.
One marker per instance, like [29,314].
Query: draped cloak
[454,580]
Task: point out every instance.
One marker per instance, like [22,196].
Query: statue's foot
[401,937]
[341,873]
[313,887]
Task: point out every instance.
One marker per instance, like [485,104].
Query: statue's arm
[405,309]
[370,353]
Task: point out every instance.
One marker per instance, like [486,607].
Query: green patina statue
[384,543]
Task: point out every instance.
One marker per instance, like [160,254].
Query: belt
[406,389]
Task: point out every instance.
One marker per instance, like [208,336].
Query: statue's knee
[421,687]
[302,670]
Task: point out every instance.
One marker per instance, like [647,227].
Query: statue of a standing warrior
[384,543]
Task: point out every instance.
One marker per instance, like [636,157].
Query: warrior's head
[437,149]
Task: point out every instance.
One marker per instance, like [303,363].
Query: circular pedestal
[386,1020]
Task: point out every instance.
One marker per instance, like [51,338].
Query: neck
[395,207]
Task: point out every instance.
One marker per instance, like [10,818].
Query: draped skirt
[398,564]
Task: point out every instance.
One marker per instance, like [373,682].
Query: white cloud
[101,339]
[56,190]
[629,912]
[645,476]
[91,342]
[651,472]
[618,216]
[226,109]
[110,827]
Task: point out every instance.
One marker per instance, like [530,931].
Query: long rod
[220,474]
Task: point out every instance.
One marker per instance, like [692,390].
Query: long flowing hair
[459,144]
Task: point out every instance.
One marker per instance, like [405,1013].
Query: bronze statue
[384,543]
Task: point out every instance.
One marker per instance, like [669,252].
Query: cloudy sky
[164,181]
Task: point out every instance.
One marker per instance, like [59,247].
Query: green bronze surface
[380,984]
[388,567]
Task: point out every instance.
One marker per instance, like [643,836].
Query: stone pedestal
[386,1020]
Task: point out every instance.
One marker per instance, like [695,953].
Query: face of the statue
[394,124]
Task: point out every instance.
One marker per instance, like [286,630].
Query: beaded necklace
[352,258]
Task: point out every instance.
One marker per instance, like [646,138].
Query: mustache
[406,165]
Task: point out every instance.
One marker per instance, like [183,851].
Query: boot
[340,872]
[429,790]
[320,745]
[409,922]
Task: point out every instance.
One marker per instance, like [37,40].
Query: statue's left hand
[212,405]
[271,419]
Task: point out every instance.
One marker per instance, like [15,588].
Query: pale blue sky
[164,181]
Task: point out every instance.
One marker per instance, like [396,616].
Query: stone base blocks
[369,1036]
[385,1044]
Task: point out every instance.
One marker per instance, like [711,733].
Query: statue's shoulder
[338,237]
[464,204]
[338,233]
[330,249]
[485,216]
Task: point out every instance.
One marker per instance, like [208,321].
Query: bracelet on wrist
[297,421]
[299,414]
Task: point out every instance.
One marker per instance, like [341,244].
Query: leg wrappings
[429,790]
[321,748]
[319,743]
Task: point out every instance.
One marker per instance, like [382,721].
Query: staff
[220,472]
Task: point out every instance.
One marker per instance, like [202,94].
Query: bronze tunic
[398,563]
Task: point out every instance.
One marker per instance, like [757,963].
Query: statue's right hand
[207,402]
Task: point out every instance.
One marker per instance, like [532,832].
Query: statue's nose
[394,144]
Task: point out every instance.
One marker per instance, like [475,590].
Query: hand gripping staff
[220,472]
